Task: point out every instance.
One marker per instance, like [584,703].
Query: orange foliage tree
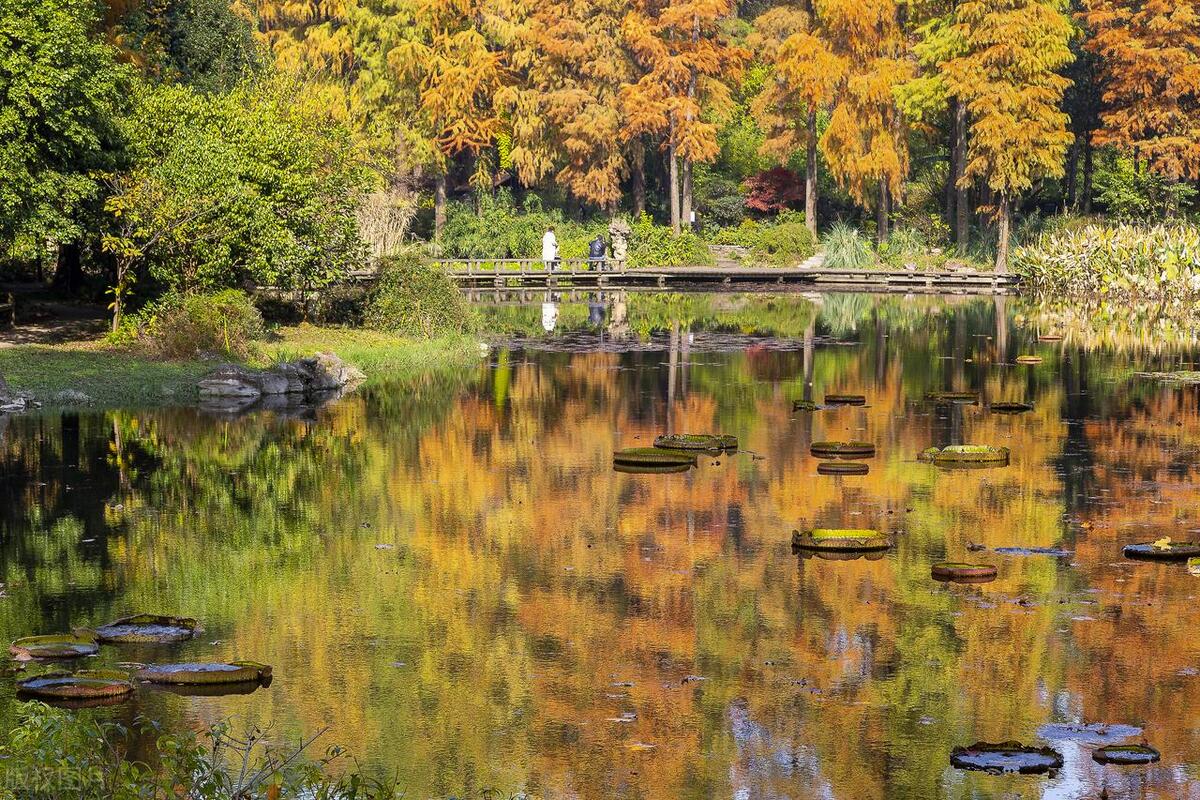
[1150,60]
[1009,79]
[687,60]
[805,75]
[565,115]
[864,144]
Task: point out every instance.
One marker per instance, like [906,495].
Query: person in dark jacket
[596,252]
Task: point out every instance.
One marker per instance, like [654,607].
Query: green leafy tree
[61,98]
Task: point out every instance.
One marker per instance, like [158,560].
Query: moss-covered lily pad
[82,685]
[840,540]
[966,454]
[963,398]
[1030,360]
[1162,550]
[845,400]
[696,441]
[1010,408]
[842,468]
[1006,757]
[206,673]
[653,456]
[58,645]
[1125,754]
[651,469]
[147,628]
[842,449]
[963,573]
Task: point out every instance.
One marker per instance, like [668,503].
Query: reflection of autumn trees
[454,578]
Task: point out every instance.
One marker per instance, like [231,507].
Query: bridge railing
[527,266]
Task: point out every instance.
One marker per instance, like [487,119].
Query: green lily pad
[966,454]
[57,645]
[653,456]
[1125,754]
[963,573]
[1162,551]
[842,468]
[81,685]
[840,540]
[842,449]
[845,400]
[696,441]
[1006,757]
[143,628]
[205,673]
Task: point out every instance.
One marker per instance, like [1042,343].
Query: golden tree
[687,60]
[565,114]
[1150,61]
[864,144]
[804,77]
[1009,79]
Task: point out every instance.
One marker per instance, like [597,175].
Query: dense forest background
[151,145]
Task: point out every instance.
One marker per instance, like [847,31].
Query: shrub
[653,245]
[1121,262]
[183,326]
[845,248]
[415,298]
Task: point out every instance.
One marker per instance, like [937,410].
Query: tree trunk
[638,166]
[686,211]
[810,176]
[1003,223]
[1087,177]
[439,210]
[1072,169]
[673,173]
[962,201]
[881,214]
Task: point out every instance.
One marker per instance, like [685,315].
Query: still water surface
[448,573]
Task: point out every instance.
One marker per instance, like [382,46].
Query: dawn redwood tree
[805,74]
[565,113]
[1010,78]
[865,144]
[686,62]
[1149,54]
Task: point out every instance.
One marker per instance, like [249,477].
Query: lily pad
[842,449]
[651,469]
[966,454]
[58,645]
[82,685]
[963,573]
[1006,757]
[206,673]
[1125,754]
[145,628]
[841,540]
[964,398]
[1162,550]
[1010,408]
[696,441]
[842,468]
[1030,360]
[653,456]
[845,400]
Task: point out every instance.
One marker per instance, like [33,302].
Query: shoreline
[55,375]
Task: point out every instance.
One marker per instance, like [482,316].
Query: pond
[449,574]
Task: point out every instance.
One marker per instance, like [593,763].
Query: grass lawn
[115,377]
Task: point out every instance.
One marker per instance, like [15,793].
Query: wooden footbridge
[812,275]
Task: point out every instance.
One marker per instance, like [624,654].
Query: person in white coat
[549,249]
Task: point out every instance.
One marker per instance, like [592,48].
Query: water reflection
[453,577]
